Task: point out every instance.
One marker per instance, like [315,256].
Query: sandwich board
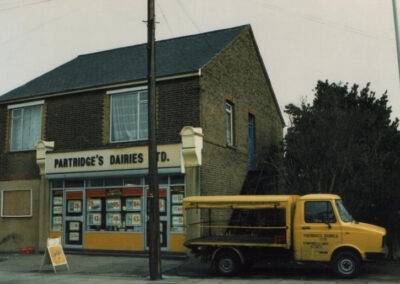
[54,254]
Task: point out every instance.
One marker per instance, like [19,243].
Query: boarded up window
[16,203]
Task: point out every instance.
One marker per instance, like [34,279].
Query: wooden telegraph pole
[154,210]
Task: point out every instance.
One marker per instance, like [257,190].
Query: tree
[345,143]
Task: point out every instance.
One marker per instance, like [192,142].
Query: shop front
[99,199]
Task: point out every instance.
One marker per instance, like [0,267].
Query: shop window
[26,124]
[16,203]
[115,209]
[177,194]
[77,183]
[114,182]
[229,123]
[57,183]
[96,182]
[132,181]
[56,210]
[162,179]
[178,179]
[74,203]
[129,116]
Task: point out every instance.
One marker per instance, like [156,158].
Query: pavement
[16,268]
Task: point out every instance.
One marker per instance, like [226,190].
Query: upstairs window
[26,125]
[229,123]
[129,116]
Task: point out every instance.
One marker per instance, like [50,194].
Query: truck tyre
[227,263]
[346,264]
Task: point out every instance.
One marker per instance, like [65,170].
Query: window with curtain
[129,116]
[25,128]
[229,123]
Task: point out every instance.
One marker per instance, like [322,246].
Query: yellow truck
[232,232]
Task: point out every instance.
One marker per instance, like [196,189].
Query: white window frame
[229,109]
[16,216]
[22,106]
[35,103]
[126,91]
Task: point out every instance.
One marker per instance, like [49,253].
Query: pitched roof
[128,64]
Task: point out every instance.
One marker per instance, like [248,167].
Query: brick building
[86,179]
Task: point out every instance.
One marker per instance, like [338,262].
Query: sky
[301,41]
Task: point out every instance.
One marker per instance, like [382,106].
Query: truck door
[320,231]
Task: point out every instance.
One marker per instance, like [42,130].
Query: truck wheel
[346,264]
[227,263]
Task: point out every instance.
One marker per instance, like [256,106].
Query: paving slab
[98,269]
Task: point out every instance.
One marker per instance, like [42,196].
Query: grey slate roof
[173,56]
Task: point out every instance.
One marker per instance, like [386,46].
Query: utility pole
[154,212]
[396,30]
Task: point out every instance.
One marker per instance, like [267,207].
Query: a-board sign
[54,254]
[57,255]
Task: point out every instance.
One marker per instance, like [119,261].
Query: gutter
[104,87]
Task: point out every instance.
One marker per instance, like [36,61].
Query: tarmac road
[97,269]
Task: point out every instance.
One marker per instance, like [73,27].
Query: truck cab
[323,230]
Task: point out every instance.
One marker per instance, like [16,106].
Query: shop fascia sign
[112,159]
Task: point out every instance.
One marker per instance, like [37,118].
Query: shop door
[74,219]
[164,220]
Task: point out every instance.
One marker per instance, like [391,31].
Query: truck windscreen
[344,214]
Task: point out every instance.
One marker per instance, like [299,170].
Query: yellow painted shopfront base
[176,242]
[113,241]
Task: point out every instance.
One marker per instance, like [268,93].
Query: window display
[74,206]
[133,204]
[74,226]
[177,209]
[94,219]
[177,221]
[112,210]
[113,204]
[94,204]
[162,205]
[113,219]
[74,236]
[57,200]
[57,220]
[107,205]
[177,198]
[177,194]
[133,219]
[57,210]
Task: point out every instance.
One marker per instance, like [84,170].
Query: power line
[165,19]
[321,21]
[24,5]
[19,36]
[188,16]
[193,22]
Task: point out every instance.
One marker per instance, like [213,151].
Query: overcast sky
[301,41]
